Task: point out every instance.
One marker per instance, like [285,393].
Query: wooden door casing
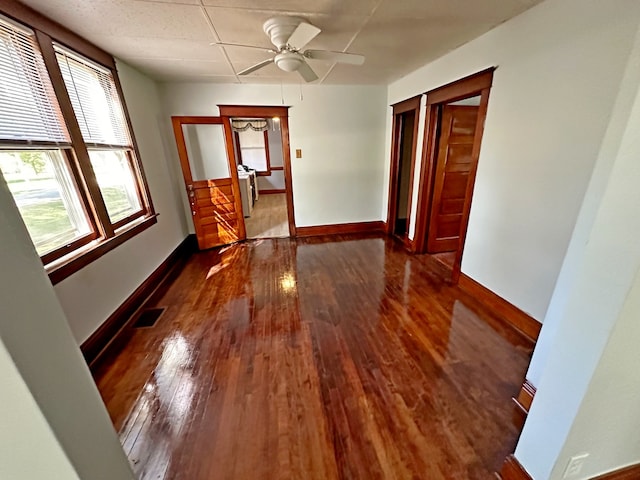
[411,104]
[215,204]
[477,84]
[454,165]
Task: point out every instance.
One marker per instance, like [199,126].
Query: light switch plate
[298,153]
[574,467]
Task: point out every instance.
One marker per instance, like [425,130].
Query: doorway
[455,118]
[211,179]
[403,155]
[266,151]
[260,163]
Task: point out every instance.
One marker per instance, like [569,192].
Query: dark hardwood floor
[317,358]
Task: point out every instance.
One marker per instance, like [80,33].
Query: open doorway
[405,133]
[455,118]
[259,156]
[261,151]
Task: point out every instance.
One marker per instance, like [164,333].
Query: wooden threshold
[341,229]
[518,319]
[113,331]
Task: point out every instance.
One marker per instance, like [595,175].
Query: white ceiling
[170,39]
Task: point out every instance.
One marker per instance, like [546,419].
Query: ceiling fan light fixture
[288,61]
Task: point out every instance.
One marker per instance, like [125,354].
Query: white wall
[588,398]
[340,129]
[559,68]
[35,333]
[89,296]
[24,430]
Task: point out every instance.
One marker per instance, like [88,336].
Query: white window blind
[95,100]
[29,110]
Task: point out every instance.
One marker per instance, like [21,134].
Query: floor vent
[148,317]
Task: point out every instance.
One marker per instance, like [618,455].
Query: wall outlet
[574,467]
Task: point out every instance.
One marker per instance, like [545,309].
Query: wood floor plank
[317,358]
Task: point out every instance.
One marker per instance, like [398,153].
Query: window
[74,173]
[253,151]
[47,198]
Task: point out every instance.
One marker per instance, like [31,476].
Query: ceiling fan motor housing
[279,29]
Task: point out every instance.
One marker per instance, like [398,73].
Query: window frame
[68,259]
[261,173]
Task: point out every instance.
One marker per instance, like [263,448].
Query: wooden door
[454,165]
[205,147]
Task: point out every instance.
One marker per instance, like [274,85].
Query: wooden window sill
[70,264]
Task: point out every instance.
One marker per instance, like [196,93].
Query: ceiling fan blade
[340,57]
[307,73]
[303,34]
[257,66]
[264,49]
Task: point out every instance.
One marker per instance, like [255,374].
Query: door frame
[282,112]
[178,122]
[410,104]
[477,84]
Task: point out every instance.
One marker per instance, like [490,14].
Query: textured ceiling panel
[188,67]
[170,40]
[147,47]
[492,11]
[327,7]
[127,18]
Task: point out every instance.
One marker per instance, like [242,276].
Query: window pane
[253,150]
[117,183]
[95,100]
[28,107]
[46,196]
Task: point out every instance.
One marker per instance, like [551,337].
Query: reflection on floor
[446,258]
[321,358]
[269,217]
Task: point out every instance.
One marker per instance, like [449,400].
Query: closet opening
[405,135]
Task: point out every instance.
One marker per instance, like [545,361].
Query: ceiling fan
[290,35]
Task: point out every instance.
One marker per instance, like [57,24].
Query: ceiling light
[288,61]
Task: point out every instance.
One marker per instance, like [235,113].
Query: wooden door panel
[218,218]
[459,158]
[219,208]
[451,205]
[448,225]
[215,202]
[217,194]
[454,185]
[454,163]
